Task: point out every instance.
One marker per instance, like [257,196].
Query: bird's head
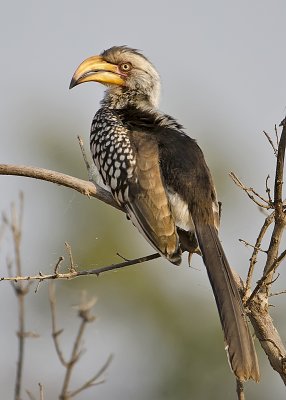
[129,76]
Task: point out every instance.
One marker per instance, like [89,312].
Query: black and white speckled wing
[112,152]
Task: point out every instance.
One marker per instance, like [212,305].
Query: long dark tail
[240,347]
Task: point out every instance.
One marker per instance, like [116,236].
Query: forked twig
[93,381]
[251,193]
[265,279]
[84,312]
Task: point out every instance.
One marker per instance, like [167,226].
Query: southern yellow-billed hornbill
[159,175]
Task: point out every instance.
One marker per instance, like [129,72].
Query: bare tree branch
[84,187]
[240,390]
[93,380]
[55,331]
[257,302]
[271,142]
[15,225]
[279,220]
[41,388]
[251,193]
[84,312]
[30,395]
[268,221]
[75,274]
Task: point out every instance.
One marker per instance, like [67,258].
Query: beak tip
[72,84]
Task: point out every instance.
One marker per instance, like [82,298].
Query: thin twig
[55,331]
[92,171]
[277,293]
[84,312]
[271,143]
[41,391]
[251,193]
[276,135]
[73,359]
[251,245]
[21,290]
[264,281]
[253,259]
[75,274]
[268,191]
[72,267]
[57,266]
[94,380]
[123,258]
[3,227]
[81,145]
[31,396]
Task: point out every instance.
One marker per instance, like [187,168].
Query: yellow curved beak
[98,70]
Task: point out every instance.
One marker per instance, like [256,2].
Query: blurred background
[223,67]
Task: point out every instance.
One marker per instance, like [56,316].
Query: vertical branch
[257,302]
[239,390]
[55,332]
[41,391]
[73,359]
[20,290]
[85,314]
[68,364]
[268,221]
[280,217]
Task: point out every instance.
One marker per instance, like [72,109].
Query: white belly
[180,211]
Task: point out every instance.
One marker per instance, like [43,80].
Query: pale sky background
[223,70]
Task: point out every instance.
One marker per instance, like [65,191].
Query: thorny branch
[84,313]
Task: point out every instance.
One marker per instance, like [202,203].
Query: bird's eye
[125,67]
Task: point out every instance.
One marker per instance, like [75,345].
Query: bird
[158,175]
